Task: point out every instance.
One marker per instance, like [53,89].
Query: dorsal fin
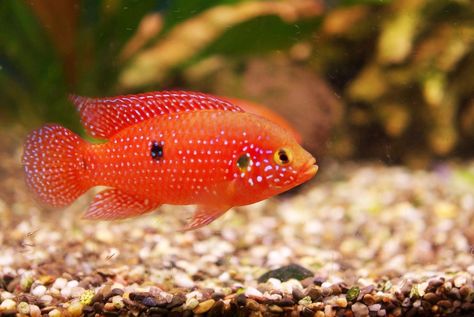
[104,117]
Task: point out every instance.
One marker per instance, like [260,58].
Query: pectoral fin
[204,215]
[113,204]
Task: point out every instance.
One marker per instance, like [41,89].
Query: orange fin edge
[204,215]
[114,204]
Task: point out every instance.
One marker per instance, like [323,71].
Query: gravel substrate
[363,240]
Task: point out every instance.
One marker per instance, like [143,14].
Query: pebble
[60,283]
[77,292]
[6,295]
[252,291]
[39,291]
[319,313]
[46,299]
[54,313]
[275,309]
[86,297]
[360,310]
[117,301]
[109,307]
[191,303]
[8,304]
[341,302]
[305,301]
[72,284]
[375,307]
[23,308]
[315,293]
[368,299]
[460,281]
[35,311]
[75,309]
[203,307]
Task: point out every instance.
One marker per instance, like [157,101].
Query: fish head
[273,162]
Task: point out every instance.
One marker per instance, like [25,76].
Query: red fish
[179,148]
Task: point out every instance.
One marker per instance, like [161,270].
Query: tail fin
[54,165]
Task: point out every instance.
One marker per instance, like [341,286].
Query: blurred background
[360,79]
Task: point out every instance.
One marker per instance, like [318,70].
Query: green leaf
[262,34]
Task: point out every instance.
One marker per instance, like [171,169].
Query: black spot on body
[156,150]
[243,162]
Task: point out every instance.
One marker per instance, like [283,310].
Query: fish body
[201,151]
[267,113]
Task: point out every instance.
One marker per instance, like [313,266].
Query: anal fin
[204,215]
[113,204]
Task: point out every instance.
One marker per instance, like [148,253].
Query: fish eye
[156,150]
[243,162]
[283,156]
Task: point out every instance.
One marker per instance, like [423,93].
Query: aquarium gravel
[359,240]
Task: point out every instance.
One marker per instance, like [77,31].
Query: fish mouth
[309,169]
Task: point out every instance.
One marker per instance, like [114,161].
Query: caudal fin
[54,165]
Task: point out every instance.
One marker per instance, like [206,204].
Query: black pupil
[243,161]
[156,150]
[283,157]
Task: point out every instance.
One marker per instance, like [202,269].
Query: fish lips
[309,169]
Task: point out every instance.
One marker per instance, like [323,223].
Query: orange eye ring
[283,157]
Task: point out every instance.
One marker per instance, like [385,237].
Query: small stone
[285,273]
[431,297]
[75,309]
[149,301]
[77,292]
[368,299]
[8,304]
[252,291]
[54,313]
[203,307]
[117,291]
[353,293]
[35,311]
[66,292]
[60,283]
[305,301]
[465,290]
[217,310]
[360,310]
[252,305]
[336,289]
[46,299]
[275,309]
[298,294]
[191,303]
[86,297]
[6,295]
[39,290]
[108,306]
[72,284]
[26,281]
[315,293]
[177,300]
[460,281]
[241,300]
[328,311]
[117,301]
[319,313]
[375,307]
[23,308]
[341,302]
[445,303]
